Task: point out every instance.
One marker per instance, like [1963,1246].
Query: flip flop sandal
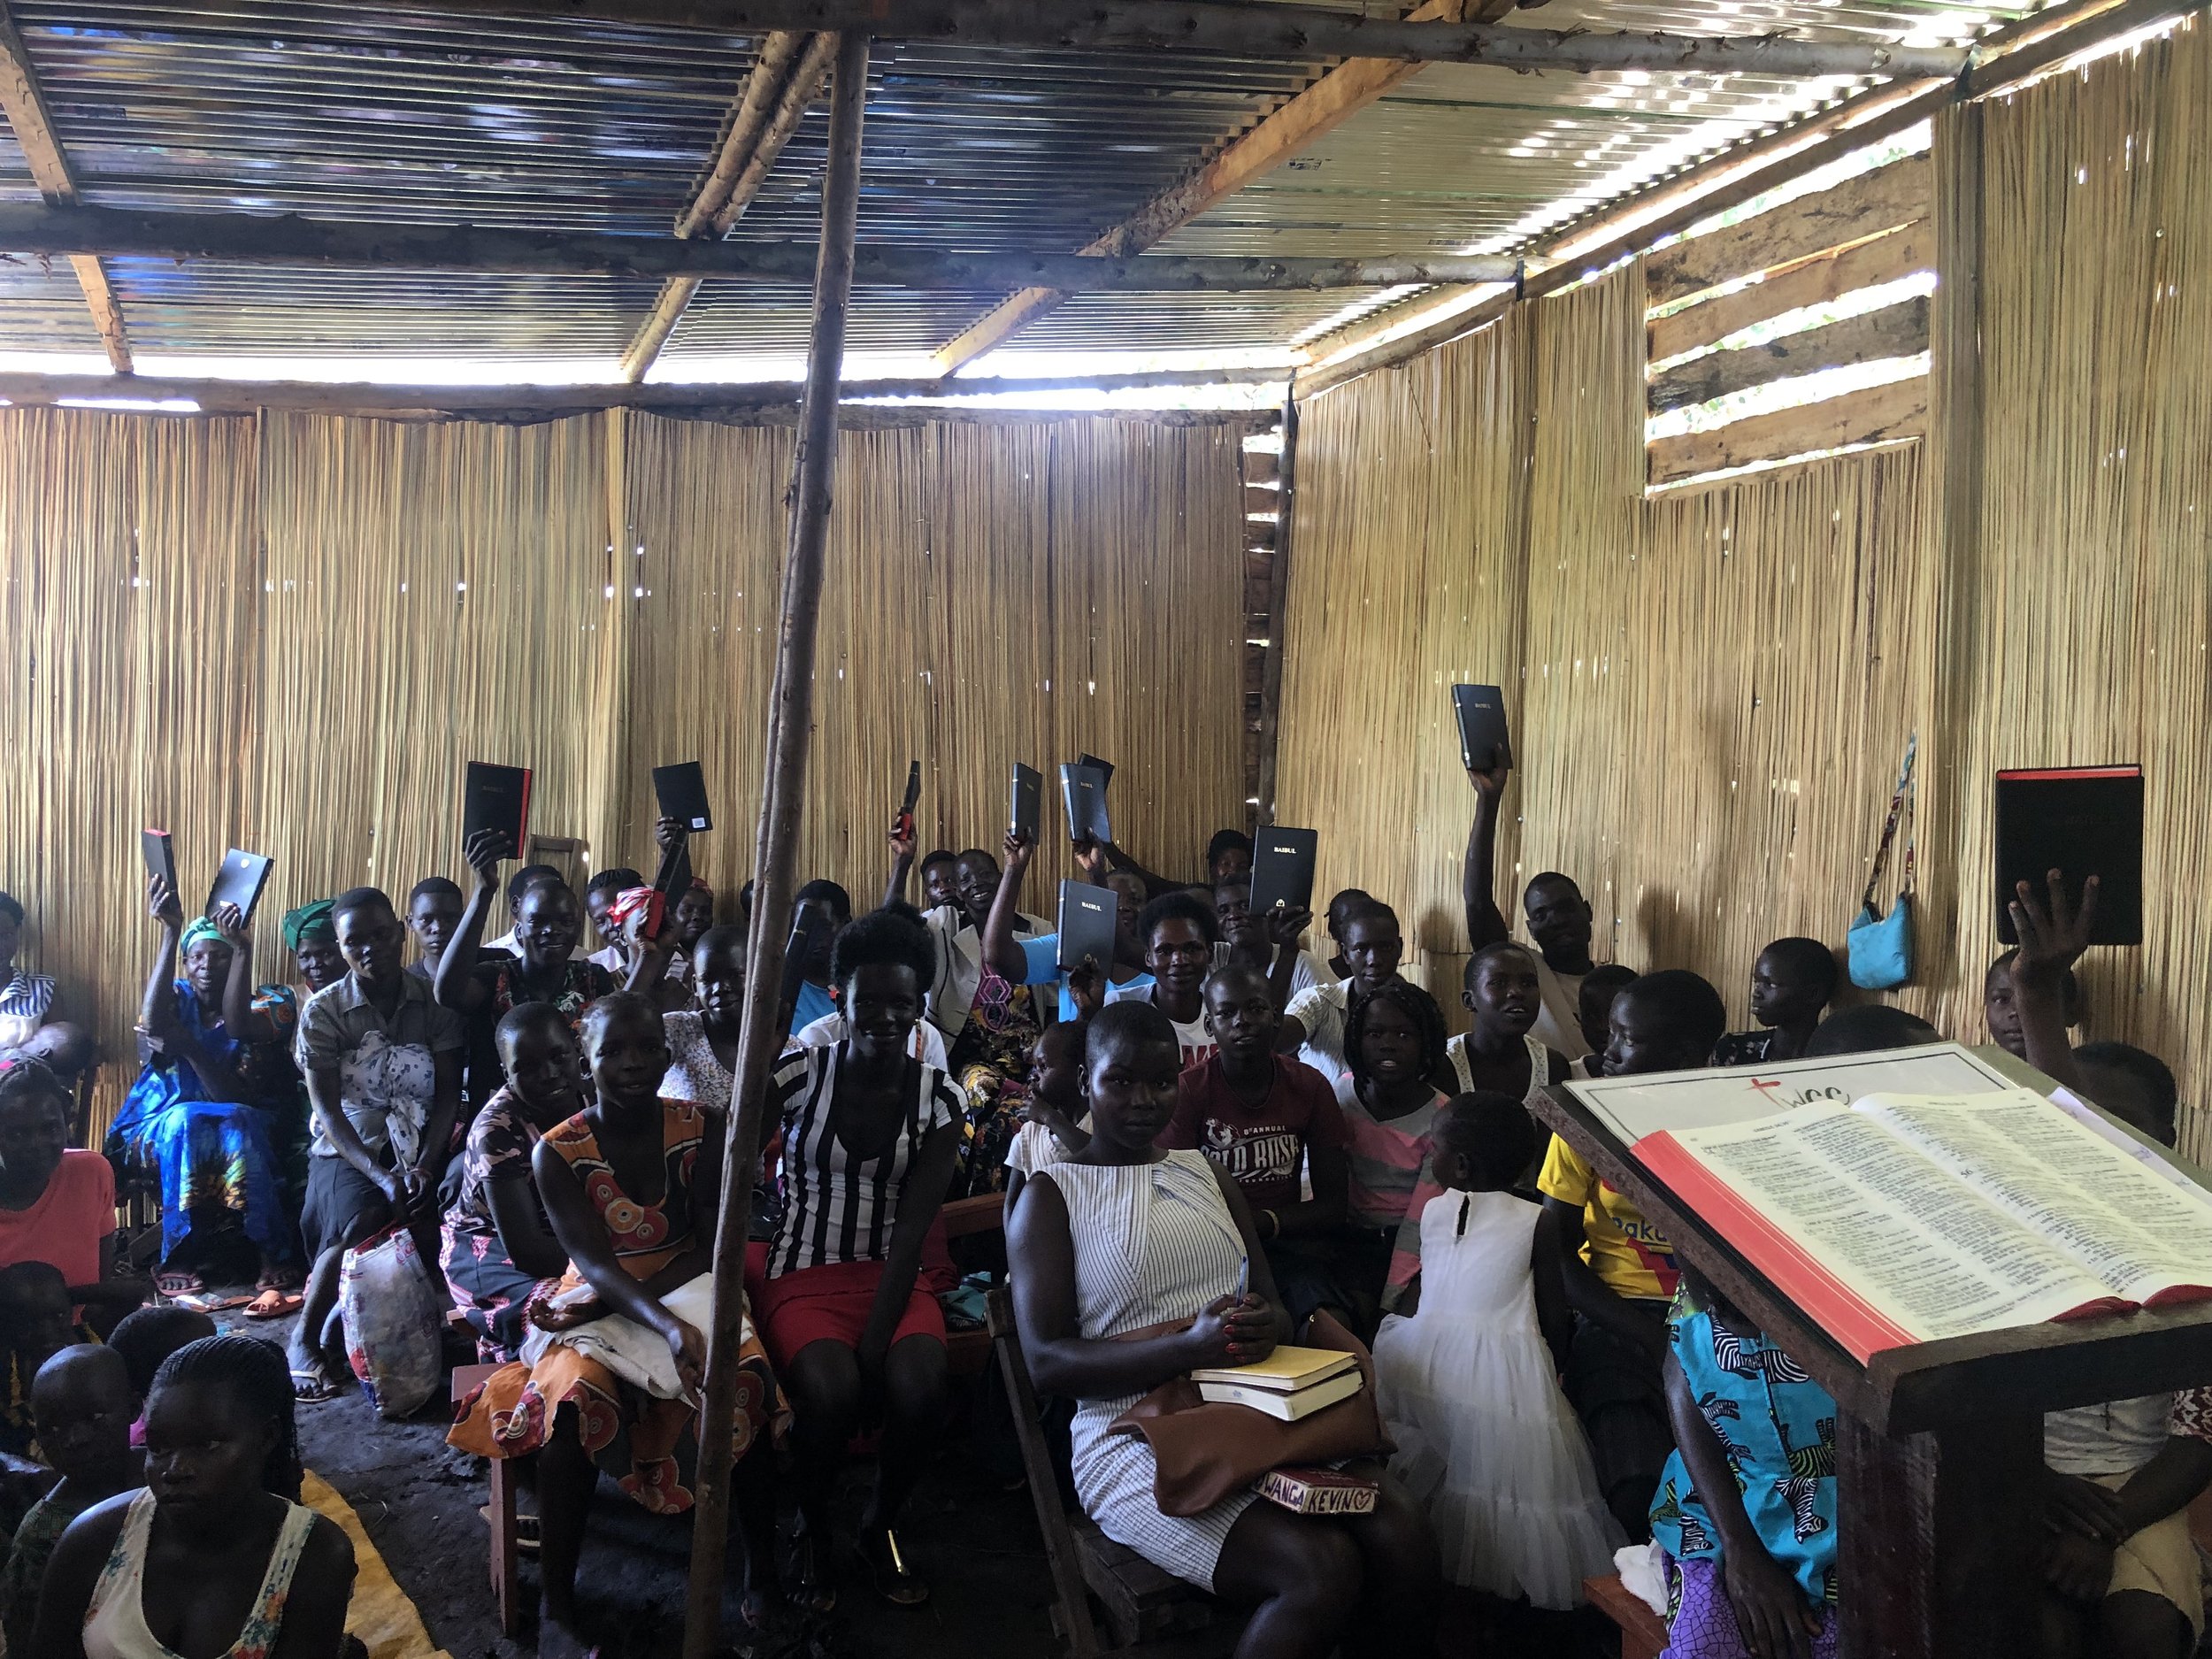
[889,1574]
[211,1302]
[274,1303]
[311,1387]
[178,1283]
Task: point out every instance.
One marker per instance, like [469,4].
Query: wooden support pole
[790,732]
[34,128]
[1277,604]
[1285,32]
[785,81]
[290,240]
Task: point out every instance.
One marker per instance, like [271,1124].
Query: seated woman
[26,1032]
[217,1556]
[207,1109]
[56,1201]
[631,1186]
[500,1257]
[547,924]
[870,1136]
[310,933]
[1113,1250]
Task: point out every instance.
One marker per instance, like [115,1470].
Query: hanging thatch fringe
[330,616]
[1715,686]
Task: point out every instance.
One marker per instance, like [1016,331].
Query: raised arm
[1284,929]
[457,986]
[1485,923]
[1154,885]
[2052,934]
[241,1018]
[157,1010]
[903,844]
[1002,951]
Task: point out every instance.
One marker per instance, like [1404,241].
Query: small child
[83,1401]
[1468,1385]
[1594,1012]
[1745,1510]
[146,1337]
[1056,1127]
[36,1324]
[1791,986]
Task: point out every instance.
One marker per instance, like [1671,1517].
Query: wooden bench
[1643,1632]
[506,1551]
[1145,1609]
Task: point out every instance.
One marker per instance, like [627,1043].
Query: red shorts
[829,1303]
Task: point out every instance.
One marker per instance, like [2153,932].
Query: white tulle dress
[1486,1443]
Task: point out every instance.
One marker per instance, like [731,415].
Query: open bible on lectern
[1903,1219]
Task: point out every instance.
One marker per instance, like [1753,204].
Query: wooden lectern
[1942,1444]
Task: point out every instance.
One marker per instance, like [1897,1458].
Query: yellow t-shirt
[1627,1252]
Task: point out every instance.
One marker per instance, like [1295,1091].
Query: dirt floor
[975,1540]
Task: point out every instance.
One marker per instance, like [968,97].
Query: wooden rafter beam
[1292,33]
[34,128]
[227,396]
[786,79]
[1303,120]
[290,240]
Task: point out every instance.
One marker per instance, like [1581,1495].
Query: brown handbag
[1204,1451]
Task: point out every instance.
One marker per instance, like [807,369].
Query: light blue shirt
[1042,966]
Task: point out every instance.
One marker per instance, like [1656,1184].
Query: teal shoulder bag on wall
[1880,947]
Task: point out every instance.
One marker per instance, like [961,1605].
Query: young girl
[1393,1043]
[1467,1383]
[1792,984]
[81,1398]
[1747,1508]
[1058,1124]
[1503,994]
[217,1556]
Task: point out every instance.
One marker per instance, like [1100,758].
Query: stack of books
[1291,1383]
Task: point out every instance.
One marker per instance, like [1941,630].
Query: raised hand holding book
[239,881]
[680,791]
[496,798]
[1087,915]
[1480,713]
[1282,869]
[160,853]
[1027,805]
[1083,791]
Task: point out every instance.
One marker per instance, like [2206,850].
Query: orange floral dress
[646,1443]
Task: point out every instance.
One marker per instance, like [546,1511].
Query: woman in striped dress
[1124,1238]
[870,1135]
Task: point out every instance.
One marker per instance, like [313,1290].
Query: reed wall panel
[1715,684]
[289,633]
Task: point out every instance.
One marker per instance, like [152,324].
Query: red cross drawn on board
[1762,1085]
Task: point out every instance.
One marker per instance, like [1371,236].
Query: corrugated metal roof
[345,111]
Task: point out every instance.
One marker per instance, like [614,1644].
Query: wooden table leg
[1938,1539]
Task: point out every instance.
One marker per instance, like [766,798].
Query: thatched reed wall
[289,633]
[1713,686]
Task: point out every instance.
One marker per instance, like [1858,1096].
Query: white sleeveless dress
[1153,1242]
[115,1623]
[1539,1065]
[1486,1442]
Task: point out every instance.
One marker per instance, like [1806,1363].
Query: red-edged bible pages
[1906,1218]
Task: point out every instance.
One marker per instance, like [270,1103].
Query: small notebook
[1285,1368]
[1087,925]
[1480,710]
[496,798]
[1282,869]
[240,882]
[1083,791]
[2081,821]
[161,855]
[1028,803]
[681,791]
[1301,1403]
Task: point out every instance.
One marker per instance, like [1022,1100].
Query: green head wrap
[198,931]
[310,921]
